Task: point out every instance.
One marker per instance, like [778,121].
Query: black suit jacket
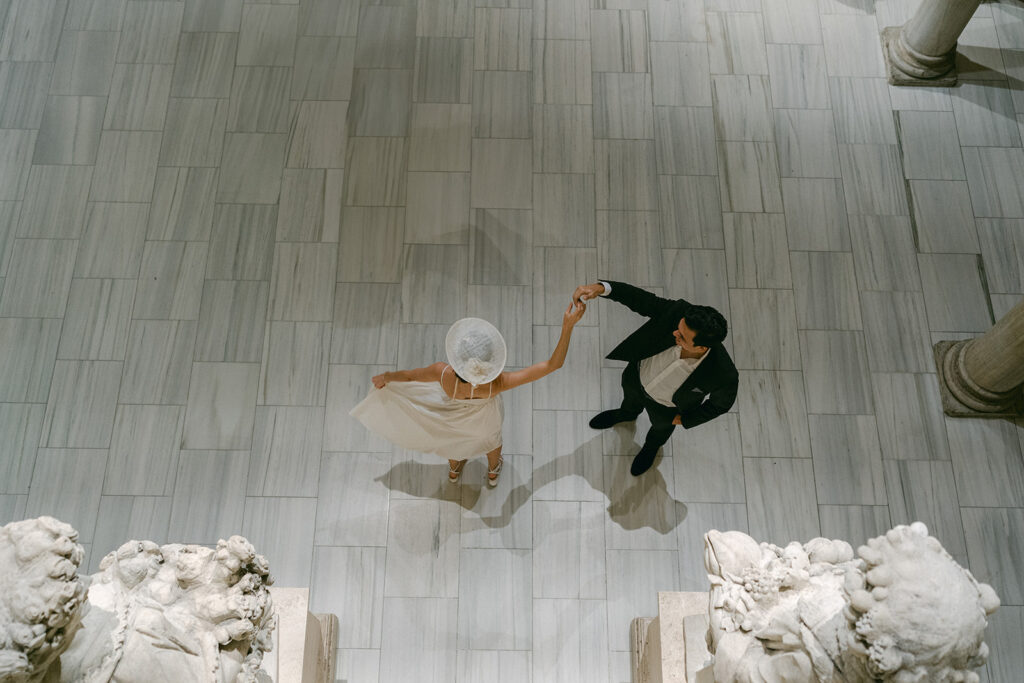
[711,389]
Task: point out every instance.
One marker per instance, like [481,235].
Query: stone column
[923,50]
[984,377]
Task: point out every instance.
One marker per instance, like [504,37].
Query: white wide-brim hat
[476,350]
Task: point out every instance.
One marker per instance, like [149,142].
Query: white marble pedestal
[671,647]
[305,644]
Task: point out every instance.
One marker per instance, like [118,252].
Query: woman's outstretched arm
[431,373]
[572,315]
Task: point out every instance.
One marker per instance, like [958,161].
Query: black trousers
[635,400]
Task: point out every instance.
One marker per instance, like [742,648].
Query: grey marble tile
[634,578]
[8,228]
[281,529]
[376,171]
[847,460]
[267,36]
[836,374]
[991,175]
[736,43]
[852,45]
[85,62]
[501,176]
[943,216]
[194,132]
[95,15]
[21,424]
[502,666]
[182,207]
[854,523]
[773,414]
[873,180]
[28,347]
[680,74]
[55,200]
[66,484]
[995,551]
[930,145]
[676,21]
[350,580]
[806,141]
[500,243]
[953,292]
[300,217]
[221,406]
[12,508]
[764,329]
[250,170]
[884,253]
[708,462]
[346,386]
[138,97]
[97,320]
[697,275]
[756,250]
[825,289]
[556,273]
[38,278]
[684,137]
[209,496]
[370,246]
[242,242]
[921,491]
[205,65]
[1002,248]
[742,108]
[501,104]
[285,458]
[354,339]
[380,106]
[259,100]
[568,550]
[987,463]
[419,639]
[294,370]
[625,175]
[562,72]
[69,133]
[749,177]
[619,40]
[386,36]
[568,461]
[323,68]
[502,39]
[353,486]
[629,247]
[799,77]
[570,640]
[816,218]
[25,85]
[302,286]
[563,210]
[125,166]
[691,212]
[781,503]
[1002,635]
[171,281]
[212,15]
[423,549]
[444,70]
[150,32]
[896,332]
[113,240]
[561,20]
[622,106]
[862,110]
[504,579]
[920,99]
[453,19]
[16,158]
[440,136]
[232,318]
[429,269]
[700,518]
[158,361]
[792,21]
[80,408]
[576,385]
[984,116]
[437,208]
[144,448]
[129,517]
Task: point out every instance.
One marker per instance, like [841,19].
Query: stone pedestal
[304,644]
[671,647]
[984,377]
[923,50]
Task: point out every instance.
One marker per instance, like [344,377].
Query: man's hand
[677,421]
[584,292]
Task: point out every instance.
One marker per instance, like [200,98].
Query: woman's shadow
[584,474]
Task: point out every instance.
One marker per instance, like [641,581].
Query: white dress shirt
[663,373]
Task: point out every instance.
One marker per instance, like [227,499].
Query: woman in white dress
[454,409]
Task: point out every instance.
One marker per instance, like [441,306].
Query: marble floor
[219,218]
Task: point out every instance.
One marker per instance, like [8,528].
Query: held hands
[573,314]
[584,292]
[380,380]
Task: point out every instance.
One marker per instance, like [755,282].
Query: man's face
[684,338]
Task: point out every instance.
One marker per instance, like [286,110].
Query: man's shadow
[584,474]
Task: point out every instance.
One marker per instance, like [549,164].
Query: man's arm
[718,401]
[638,300]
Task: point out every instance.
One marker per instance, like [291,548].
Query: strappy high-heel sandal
[455,472]
[492,475]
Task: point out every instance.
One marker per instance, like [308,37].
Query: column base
[954,397]
[906,67]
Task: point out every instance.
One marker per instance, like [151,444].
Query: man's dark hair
[708,323]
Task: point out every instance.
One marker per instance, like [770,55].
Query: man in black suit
[678,370]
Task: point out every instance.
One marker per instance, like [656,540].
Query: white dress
[420,416]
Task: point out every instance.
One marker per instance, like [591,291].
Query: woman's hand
[572,316]
[380,380]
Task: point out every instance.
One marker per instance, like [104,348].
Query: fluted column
[984,377]
[923,50]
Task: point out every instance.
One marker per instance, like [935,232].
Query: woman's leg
[494,464]
[455,469]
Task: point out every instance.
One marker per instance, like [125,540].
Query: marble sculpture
[901,609]
[152,613]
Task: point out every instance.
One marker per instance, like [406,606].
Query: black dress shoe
[643,460]
[609,418]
